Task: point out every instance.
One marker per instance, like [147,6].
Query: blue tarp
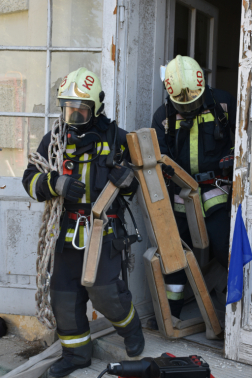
[240,255]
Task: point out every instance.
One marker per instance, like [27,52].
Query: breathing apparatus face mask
[185,102]
[188,110]
[76,112]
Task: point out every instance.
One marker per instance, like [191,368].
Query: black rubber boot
[135,344]
[175,306]
[152,324]
[63,367]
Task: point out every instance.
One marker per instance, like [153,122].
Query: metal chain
[50,228]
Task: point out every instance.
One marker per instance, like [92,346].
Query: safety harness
[205,178]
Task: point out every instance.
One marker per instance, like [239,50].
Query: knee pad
[113,301]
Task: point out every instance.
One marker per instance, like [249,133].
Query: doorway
[199,29]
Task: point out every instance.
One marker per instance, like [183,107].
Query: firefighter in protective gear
[193,128]
[90,135]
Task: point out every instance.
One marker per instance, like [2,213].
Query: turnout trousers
[109,296]
[218,228]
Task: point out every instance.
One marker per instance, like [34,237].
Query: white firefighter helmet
[185,83]
[79,92]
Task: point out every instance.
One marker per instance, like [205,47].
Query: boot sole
[52,375]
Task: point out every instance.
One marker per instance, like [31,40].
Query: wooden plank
[180,172]
[186,327]
[103,199]
[201,293]
[134,148]
[164,226]
[89,274]
[178,333]
[163,301]
[200,219]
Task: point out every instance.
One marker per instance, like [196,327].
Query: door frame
[164,40]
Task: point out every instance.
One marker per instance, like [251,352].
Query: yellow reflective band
[174,296]
[82,235]
[75,341]
[122,147]
[123,323]
[105,150]
[80,171]
[87,180]
[49,185]
[127,194]
[215,201]
[179,207]
[70,149]
[194,148]
[69,235]
[201,203]
[33,185]
[110,231]
[178,124]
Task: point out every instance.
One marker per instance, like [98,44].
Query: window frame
[107,65]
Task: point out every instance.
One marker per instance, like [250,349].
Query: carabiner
[218,182]
[81,217]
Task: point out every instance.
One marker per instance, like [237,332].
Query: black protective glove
[121,175]
[70,188]
[227,163]
[168,171]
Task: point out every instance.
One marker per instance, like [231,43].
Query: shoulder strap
[219,112]
[171,120]
[112,139]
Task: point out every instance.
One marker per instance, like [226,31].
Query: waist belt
[76,215]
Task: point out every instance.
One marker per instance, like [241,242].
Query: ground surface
[110,348]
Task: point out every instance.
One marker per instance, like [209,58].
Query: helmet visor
[76,112]
[188,100]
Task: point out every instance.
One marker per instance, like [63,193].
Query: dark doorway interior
[228,44]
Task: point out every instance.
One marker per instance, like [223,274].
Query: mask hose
[87,161]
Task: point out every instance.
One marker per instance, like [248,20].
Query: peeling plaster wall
[140,59]
[139,92]
[145,63]
[238,335]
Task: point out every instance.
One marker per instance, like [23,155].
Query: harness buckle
[222,120]
[199,177]
[85,220]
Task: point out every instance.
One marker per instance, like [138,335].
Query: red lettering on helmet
[199,83]
[90,78]
[169,89]
[89,81]
[64,81]
[199,74]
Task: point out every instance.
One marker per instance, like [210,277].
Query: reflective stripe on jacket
[198,150]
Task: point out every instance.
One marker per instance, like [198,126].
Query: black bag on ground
[3,327]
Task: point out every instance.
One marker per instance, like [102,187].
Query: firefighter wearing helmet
[95,147]
[193,128]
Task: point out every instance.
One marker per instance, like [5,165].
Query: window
[41,42]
